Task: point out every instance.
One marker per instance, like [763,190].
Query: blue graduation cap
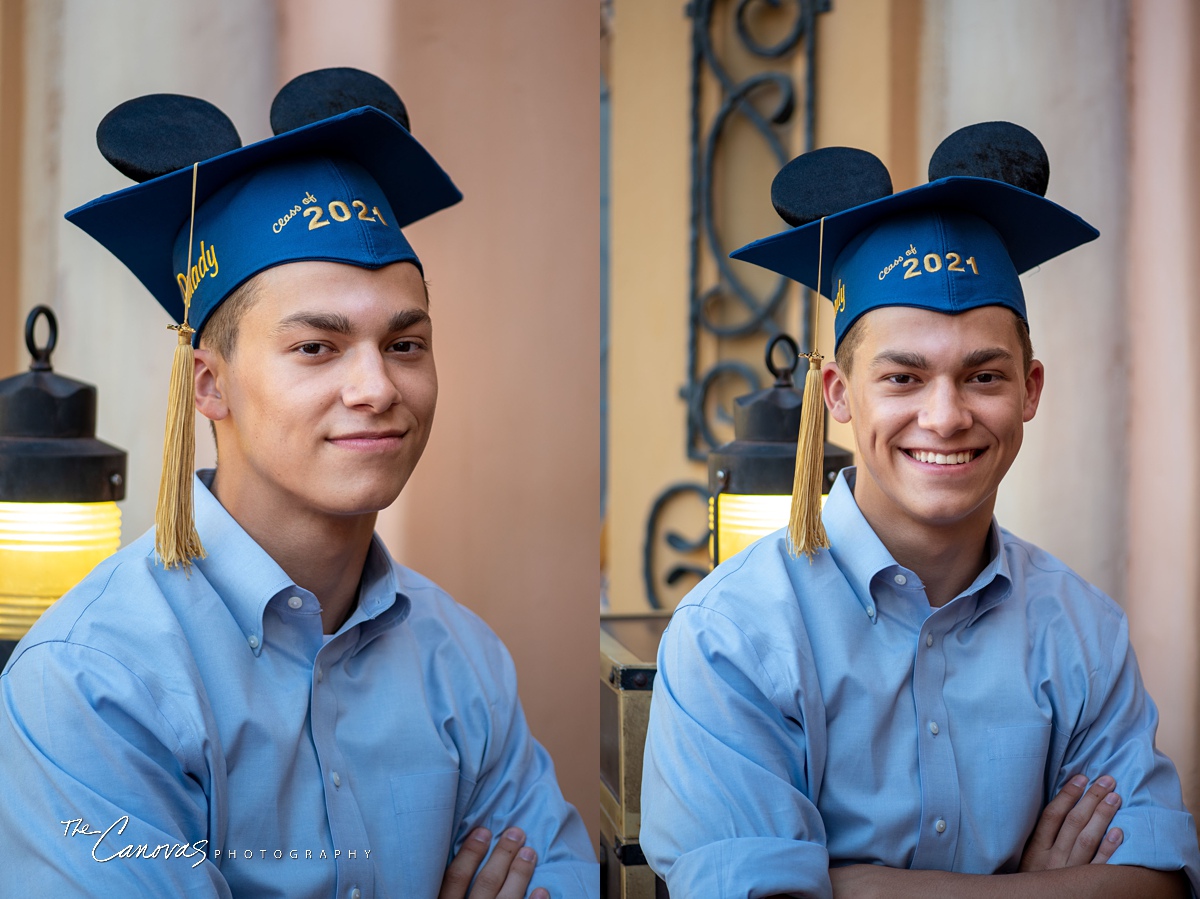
[337,182]
[957,243]
[953,244]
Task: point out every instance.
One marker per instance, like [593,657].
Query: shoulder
[450,633]
[1059,603]
[120,598]
[749,612]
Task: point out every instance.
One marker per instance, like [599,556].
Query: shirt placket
[355,873]
[940,791]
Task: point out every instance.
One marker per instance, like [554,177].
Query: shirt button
[253,641]
[870,611]
[295,602]
[929,639]
[901,580]
[940,825]
[356,893]
[336,778]
[933,728]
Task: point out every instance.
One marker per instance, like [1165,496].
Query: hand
[1072,829]
[506,874]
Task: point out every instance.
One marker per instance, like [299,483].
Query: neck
[947,558]
[324,554]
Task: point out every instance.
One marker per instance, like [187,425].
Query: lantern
[58,488]
[750,478]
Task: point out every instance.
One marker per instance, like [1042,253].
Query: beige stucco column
[1161,334]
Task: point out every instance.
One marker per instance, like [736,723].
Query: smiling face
[326,402]
[938,403]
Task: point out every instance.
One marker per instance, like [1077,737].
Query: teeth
[942,458]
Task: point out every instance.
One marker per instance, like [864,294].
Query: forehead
[913,330]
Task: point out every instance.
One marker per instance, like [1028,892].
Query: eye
[901,380]
[310,349]
[987,377]
[405,347]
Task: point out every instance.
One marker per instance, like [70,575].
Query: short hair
[220,331]
[852,338]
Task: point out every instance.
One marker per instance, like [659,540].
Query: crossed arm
[1065,858]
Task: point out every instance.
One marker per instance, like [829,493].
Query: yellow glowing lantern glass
[58,488]
[45,550]
[750,478]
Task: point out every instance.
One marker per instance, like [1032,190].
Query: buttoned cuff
[1158,838]
[752,867]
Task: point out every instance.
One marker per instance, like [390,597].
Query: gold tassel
[175,537]
[806,531]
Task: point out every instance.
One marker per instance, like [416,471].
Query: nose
[369,384]
[945,411]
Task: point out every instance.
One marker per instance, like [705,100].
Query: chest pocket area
[1017,773]
[425,806]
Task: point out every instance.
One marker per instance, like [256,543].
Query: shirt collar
[861,556]
[246,578]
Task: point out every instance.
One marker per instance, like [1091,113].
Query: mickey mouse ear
[822,182]
[160,133]
[1001,151]
[318,95]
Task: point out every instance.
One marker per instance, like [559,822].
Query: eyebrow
[973,359]
[336,323]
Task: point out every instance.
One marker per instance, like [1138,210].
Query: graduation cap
[957,243]
[337,182]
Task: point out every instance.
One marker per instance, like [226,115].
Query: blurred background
[502,510]
[702,104]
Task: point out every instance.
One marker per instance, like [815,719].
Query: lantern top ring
[41,354]
[783,374]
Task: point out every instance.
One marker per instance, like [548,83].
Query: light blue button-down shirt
[808,715]
[207,718]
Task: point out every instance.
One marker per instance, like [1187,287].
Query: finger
[460,871]
[495,870]
[1077,819]
[1092,835]
[539,893]
[519,874]
[1108,846]
[1055,813]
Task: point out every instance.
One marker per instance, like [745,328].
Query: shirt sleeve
[517,786]
[724,807]
[1116,737]
[96,800]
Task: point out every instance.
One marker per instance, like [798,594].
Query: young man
[285,710]
[890,715]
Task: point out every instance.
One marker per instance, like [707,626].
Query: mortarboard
[337,182]
[956,243]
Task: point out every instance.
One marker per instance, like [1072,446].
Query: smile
[933,458]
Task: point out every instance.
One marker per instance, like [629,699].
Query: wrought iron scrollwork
[766,101]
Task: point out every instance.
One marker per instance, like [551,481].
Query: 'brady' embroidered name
[206,265]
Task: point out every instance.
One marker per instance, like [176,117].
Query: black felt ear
[1001,151]
[160,133]
[318,95]
[822,182]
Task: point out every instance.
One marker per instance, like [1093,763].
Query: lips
[367,435]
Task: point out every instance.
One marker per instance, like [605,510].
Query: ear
[1034,383]
[207,372]
[837,391]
